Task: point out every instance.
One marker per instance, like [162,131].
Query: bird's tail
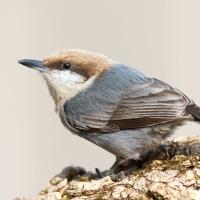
[194,110]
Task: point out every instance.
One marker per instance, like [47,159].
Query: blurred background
[161,38]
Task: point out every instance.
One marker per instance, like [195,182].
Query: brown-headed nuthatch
[112,105]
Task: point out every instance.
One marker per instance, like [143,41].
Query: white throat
[63,85]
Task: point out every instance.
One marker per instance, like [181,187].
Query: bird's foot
[164,151]
[119,171]
[110,173]
[71,173]
[127,166]
[79,173]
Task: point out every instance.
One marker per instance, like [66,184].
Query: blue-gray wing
[150,104]
[124,98]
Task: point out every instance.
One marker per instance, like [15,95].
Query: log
[173,173]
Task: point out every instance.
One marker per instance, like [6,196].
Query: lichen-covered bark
[172,174]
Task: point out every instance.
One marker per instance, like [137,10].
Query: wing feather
[154,103]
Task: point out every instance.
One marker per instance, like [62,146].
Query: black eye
[65,66]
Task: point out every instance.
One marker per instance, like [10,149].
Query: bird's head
[69,71]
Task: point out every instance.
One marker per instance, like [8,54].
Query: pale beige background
[161,38]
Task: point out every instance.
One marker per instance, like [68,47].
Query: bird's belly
[132,144]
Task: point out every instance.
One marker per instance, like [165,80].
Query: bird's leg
[119,169]
[101,174]
[116,164]
[125,165]
[111,172]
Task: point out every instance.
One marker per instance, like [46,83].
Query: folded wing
[149,104]
[123,98]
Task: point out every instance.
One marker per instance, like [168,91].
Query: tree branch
[172,174]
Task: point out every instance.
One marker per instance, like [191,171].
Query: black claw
[98,173]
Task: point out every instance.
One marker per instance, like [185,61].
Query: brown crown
[82,62]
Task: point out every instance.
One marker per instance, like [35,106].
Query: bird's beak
[35,64]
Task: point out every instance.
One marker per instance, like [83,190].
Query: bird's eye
[65,66]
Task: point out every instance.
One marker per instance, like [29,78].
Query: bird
[112,105]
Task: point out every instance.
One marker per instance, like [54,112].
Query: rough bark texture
[174,173]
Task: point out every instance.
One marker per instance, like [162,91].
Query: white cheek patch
[66,77]
[63,85]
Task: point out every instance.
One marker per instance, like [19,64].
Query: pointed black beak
[35,64]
